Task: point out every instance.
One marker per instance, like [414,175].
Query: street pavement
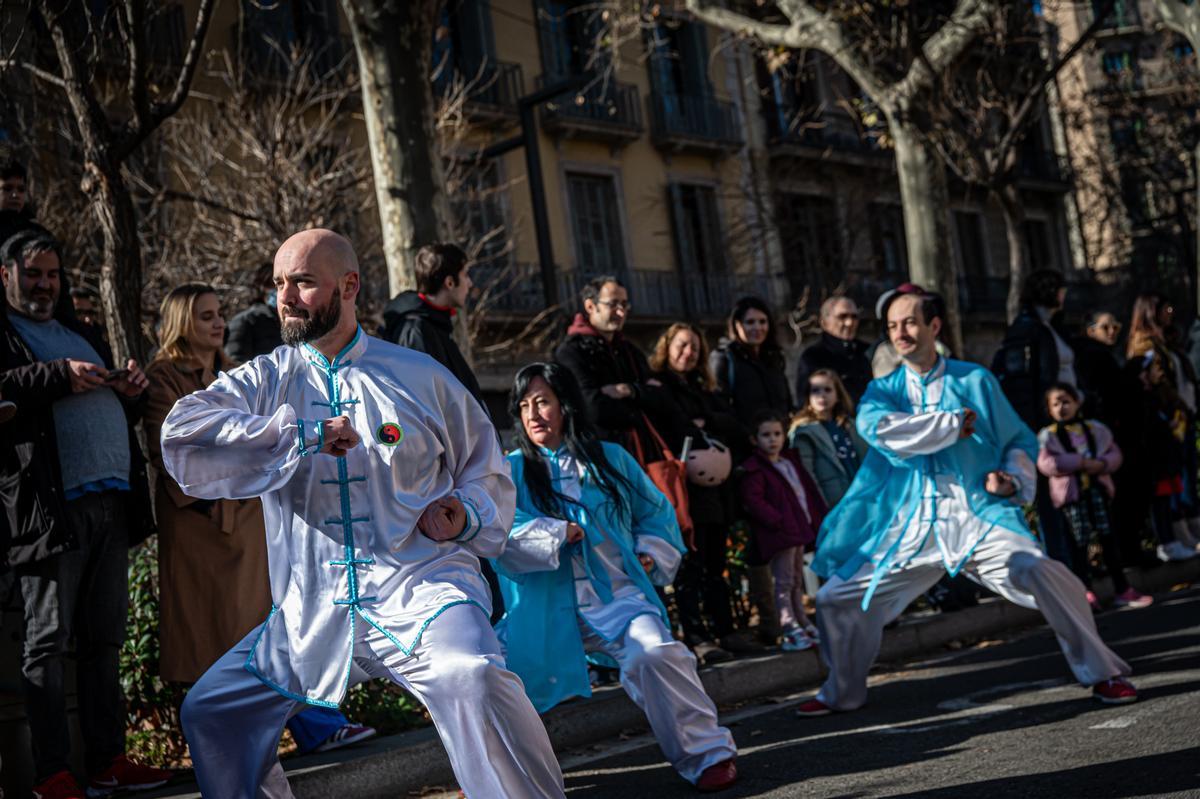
[1001,719]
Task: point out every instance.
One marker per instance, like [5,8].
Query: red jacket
[776,519]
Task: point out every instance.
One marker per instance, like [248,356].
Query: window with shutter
[599,240]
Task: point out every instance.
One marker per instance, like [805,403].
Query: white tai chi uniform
[943,534]
[657,671]
[357,590]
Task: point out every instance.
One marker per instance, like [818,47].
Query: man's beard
[41,307]
[312,327]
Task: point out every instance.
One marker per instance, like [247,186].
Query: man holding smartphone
[77,499]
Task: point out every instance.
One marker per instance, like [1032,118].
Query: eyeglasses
[616,305]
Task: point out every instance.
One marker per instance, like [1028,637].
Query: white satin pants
[1012,565]
[497,745]
[659,674]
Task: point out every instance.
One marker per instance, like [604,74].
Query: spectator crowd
[750,461]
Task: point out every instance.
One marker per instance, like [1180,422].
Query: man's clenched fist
[443,520]
[340,436]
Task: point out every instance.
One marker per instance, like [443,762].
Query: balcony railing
[604,111]
[492,91]
[784,129]
[694,122]
[655,294]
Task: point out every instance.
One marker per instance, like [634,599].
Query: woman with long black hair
[591,538]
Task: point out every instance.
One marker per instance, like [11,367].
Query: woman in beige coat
[212,555]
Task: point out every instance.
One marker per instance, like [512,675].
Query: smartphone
[116,374]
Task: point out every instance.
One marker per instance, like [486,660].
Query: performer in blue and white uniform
[591,539]
[940,491]
[382,484]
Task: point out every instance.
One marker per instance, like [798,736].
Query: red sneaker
[59,786]
[812,708]
[1115,691]
[718,777]
[125,775]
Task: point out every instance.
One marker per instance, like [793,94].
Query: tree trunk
[121,272]
[925,200]
[1196,222]
[393,39]
[1014,223]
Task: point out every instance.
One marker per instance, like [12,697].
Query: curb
[404,763]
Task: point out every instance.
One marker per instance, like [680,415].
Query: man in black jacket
[423,320]
[74,490]
[615,376]
[255,331]
[838,349]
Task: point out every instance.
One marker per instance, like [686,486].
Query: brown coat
[212,563]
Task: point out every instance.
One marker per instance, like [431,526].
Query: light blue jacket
[541,623]
[888,486]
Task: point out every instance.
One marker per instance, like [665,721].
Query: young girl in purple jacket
[1079,456]
[785,509]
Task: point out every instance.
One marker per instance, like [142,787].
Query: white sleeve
[666,558]
[534,546]
[1018,464]
[906,434]
[215,447]
[481,477]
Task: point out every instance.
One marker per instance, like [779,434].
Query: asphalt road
[1002,719]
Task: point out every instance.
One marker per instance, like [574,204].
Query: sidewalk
[402,764]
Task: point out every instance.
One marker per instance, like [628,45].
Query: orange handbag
[670,476]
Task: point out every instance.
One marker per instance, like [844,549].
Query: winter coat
[1100,379]
[253,332]
[847,358]
[1063,467]
[30,476]
[777,522]
[1027,364]
[410,320]
[751,383]
[596,363]
[212,555]
[817,452]
[690,400]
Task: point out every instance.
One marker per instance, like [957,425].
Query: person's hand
[1001,484]
[647,563]
[85,375]
[654,382]
[1093,466]
[443,520]
[617,390]
[340,436]
[133,383]
[969,418]
[574,532]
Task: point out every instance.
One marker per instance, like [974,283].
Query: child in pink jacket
[1079,456]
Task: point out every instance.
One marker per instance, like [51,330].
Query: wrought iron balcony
[609,112]
[787,134]
[491,91]
[695,123]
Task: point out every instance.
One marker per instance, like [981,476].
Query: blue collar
[355,348]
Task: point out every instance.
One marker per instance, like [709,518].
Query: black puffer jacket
[596,363]
[1027,364]
[30,477]
[751,383]
[412,322]
[691,401]
[847,358]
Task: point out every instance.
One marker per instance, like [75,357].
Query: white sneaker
[1174,550]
